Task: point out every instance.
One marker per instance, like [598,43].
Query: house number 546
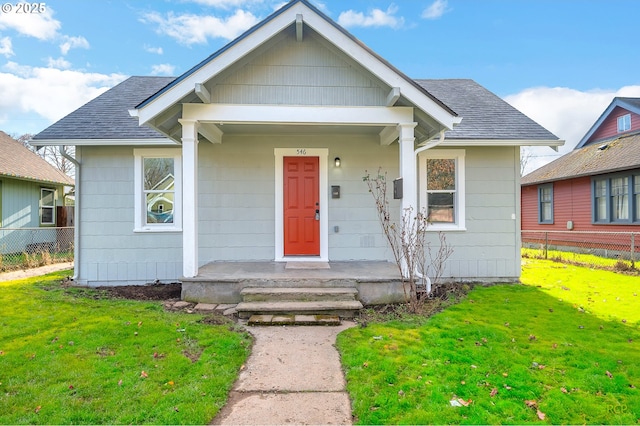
[301,151]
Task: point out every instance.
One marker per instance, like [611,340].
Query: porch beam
[393,96]
[269,114]
[211,132]
[189,198]
[202,93]
[388,135]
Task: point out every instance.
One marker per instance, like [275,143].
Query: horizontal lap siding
[111,253]
[237,196]
[487,250]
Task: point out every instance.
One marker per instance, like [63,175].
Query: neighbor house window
[158,195]
[624,123]
[545,204]
[47,206]
[442,187]
[616,199]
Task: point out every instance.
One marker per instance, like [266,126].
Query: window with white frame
[624,123]
[442,187]
[545,203]
[47,206]
[158,190]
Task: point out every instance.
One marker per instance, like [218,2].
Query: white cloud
[568,113]
[191,29]
[435,10]
[48,92]
[6,48]
[163,69]
[151,49]
[73,43]
[375,18]
[60,63]
[224,4]
[39,25]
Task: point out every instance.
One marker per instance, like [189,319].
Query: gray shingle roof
[18,162]
[107,116]
[484,114]
[620,154]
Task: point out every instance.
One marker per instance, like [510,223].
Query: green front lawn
[69,356]
[549,351]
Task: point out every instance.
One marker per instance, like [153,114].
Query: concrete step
[341,308]
[294,320]
[302,294]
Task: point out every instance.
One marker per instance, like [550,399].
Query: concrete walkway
[293,376]
[35,272]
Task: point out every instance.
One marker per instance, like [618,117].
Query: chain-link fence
[617,250]
[31,247]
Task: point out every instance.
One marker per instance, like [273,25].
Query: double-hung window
[624,123]
[47,206]
[158,190]
[616,199]
[545,204]
[442,188]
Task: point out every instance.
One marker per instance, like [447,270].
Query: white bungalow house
[268,140]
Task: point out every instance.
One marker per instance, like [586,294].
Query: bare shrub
[407,241]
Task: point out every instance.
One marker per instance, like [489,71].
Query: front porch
[377,282]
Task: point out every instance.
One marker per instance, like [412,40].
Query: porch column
[409,174]
[408,167]
[189,198]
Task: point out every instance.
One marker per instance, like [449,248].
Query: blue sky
[561,62]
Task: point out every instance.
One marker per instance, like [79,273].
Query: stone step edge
[269,320]
[262,290]
[299,306]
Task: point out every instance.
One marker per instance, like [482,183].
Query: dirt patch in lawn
[144,292]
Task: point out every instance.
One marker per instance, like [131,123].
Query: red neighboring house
[595,187]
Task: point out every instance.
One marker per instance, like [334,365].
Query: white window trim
[140,209]
[460,208]
[623,120]
[53,207]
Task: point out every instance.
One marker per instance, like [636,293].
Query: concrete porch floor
[369,271]
[222,282]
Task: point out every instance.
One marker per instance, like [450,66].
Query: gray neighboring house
[30,192]
[257,154]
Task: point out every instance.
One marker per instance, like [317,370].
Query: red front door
[301,206]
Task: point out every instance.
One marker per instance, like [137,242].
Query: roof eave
[103,142]
[504,142]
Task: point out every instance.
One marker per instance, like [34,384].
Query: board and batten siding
[489,249]
[297,73]
[112,254]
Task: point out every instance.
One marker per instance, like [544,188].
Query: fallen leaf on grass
[494,392]
[564,390]
[365,364]
[463,402]
[38,408]
[120,382]
[540,414]
[531,403]
[144,374]
[171,383]
[609,375]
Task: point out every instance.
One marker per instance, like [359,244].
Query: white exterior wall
[237,196]
[111,253]
[489,248]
